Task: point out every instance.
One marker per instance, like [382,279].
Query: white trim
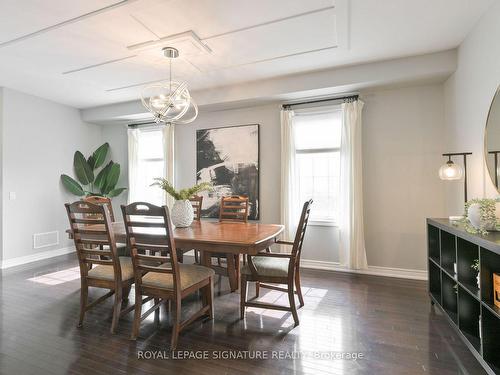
[372,270]
[323,223]
[12,262]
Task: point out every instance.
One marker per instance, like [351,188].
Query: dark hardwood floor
[389,321]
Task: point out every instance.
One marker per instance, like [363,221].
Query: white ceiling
[87,53]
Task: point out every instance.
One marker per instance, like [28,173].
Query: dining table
[209,236]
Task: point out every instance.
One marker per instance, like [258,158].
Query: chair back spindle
[301,232]
[196,202]
[151,241]
[93,236]
[102,201]
[234,208]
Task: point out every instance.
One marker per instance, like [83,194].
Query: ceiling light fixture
[170,102]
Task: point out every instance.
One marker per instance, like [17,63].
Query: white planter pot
[182,214]
[474,216]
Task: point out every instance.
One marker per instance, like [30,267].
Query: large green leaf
[100,180]
[99,155]
[73,186]
[91,162]
[116,192]
[111,178]
[82,169]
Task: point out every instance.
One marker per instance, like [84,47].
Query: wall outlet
[12,196]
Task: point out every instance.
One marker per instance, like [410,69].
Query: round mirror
[492,141]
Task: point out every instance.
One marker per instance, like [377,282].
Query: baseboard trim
[19,261]
[305,263]
[401,273]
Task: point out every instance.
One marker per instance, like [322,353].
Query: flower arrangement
[183,194]
[487,219]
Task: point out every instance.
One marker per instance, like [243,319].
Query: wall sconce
[451,171]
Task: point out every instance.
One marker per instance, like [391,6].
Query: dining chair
[95,245]
[277,268]
[232,209]
[106,202]
[157,272]
[197,203]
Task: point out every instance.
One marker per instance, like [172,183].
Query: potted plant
[182,211]
[481,216]
[475,267]
[94,178]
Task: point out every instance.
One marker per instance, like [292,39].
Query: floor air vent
[45,239]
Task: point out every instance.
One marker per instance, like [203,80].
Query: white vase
[182,213]
[474,216]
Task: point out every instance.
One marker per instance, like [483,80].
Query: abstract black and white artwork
[228,158]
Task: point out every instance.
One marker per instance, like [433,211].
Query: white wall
[402,146]
[468,94]
[39,140]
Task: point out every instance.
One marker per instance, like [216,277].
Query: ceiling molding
[222,68]
[65,23]
[145,26]
[187,36]
[277,20]
[99,64]
[275,58]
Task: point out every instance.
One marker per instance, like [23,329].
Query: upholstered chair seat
[190,274]
[267,266]
[107,272]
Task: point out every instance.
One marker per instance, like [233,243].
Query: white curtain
[352,242]
[133,164]
[289,194]
[168,152]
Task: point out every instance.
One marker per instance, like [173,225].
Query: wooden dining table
[215,237]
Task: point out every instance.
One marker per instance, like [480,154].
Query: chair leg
[291,298]
[231,273]
[208,298]
[237,261]
[180,256]
[157,311]
[196,260]
[117,307]
[257,289]
[126,292]
[297,286]
[137,314]
[176,321]
[84,294]
[243,296]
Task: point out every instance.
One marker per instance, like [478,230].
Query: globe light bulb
[450,171]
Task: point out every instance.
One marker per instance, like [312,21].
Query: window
[317,135]
[150,164]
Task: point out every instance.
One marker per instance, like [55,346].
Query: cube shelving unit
[467,303]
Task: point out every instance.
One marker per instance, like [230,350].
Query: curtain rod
[139,124]
[347,97]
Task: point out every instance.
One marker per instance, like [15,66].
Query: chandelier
[170,102]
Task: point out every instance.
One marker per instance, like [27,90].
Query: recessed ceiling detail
[87,53]
[187,42]
[65,22]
